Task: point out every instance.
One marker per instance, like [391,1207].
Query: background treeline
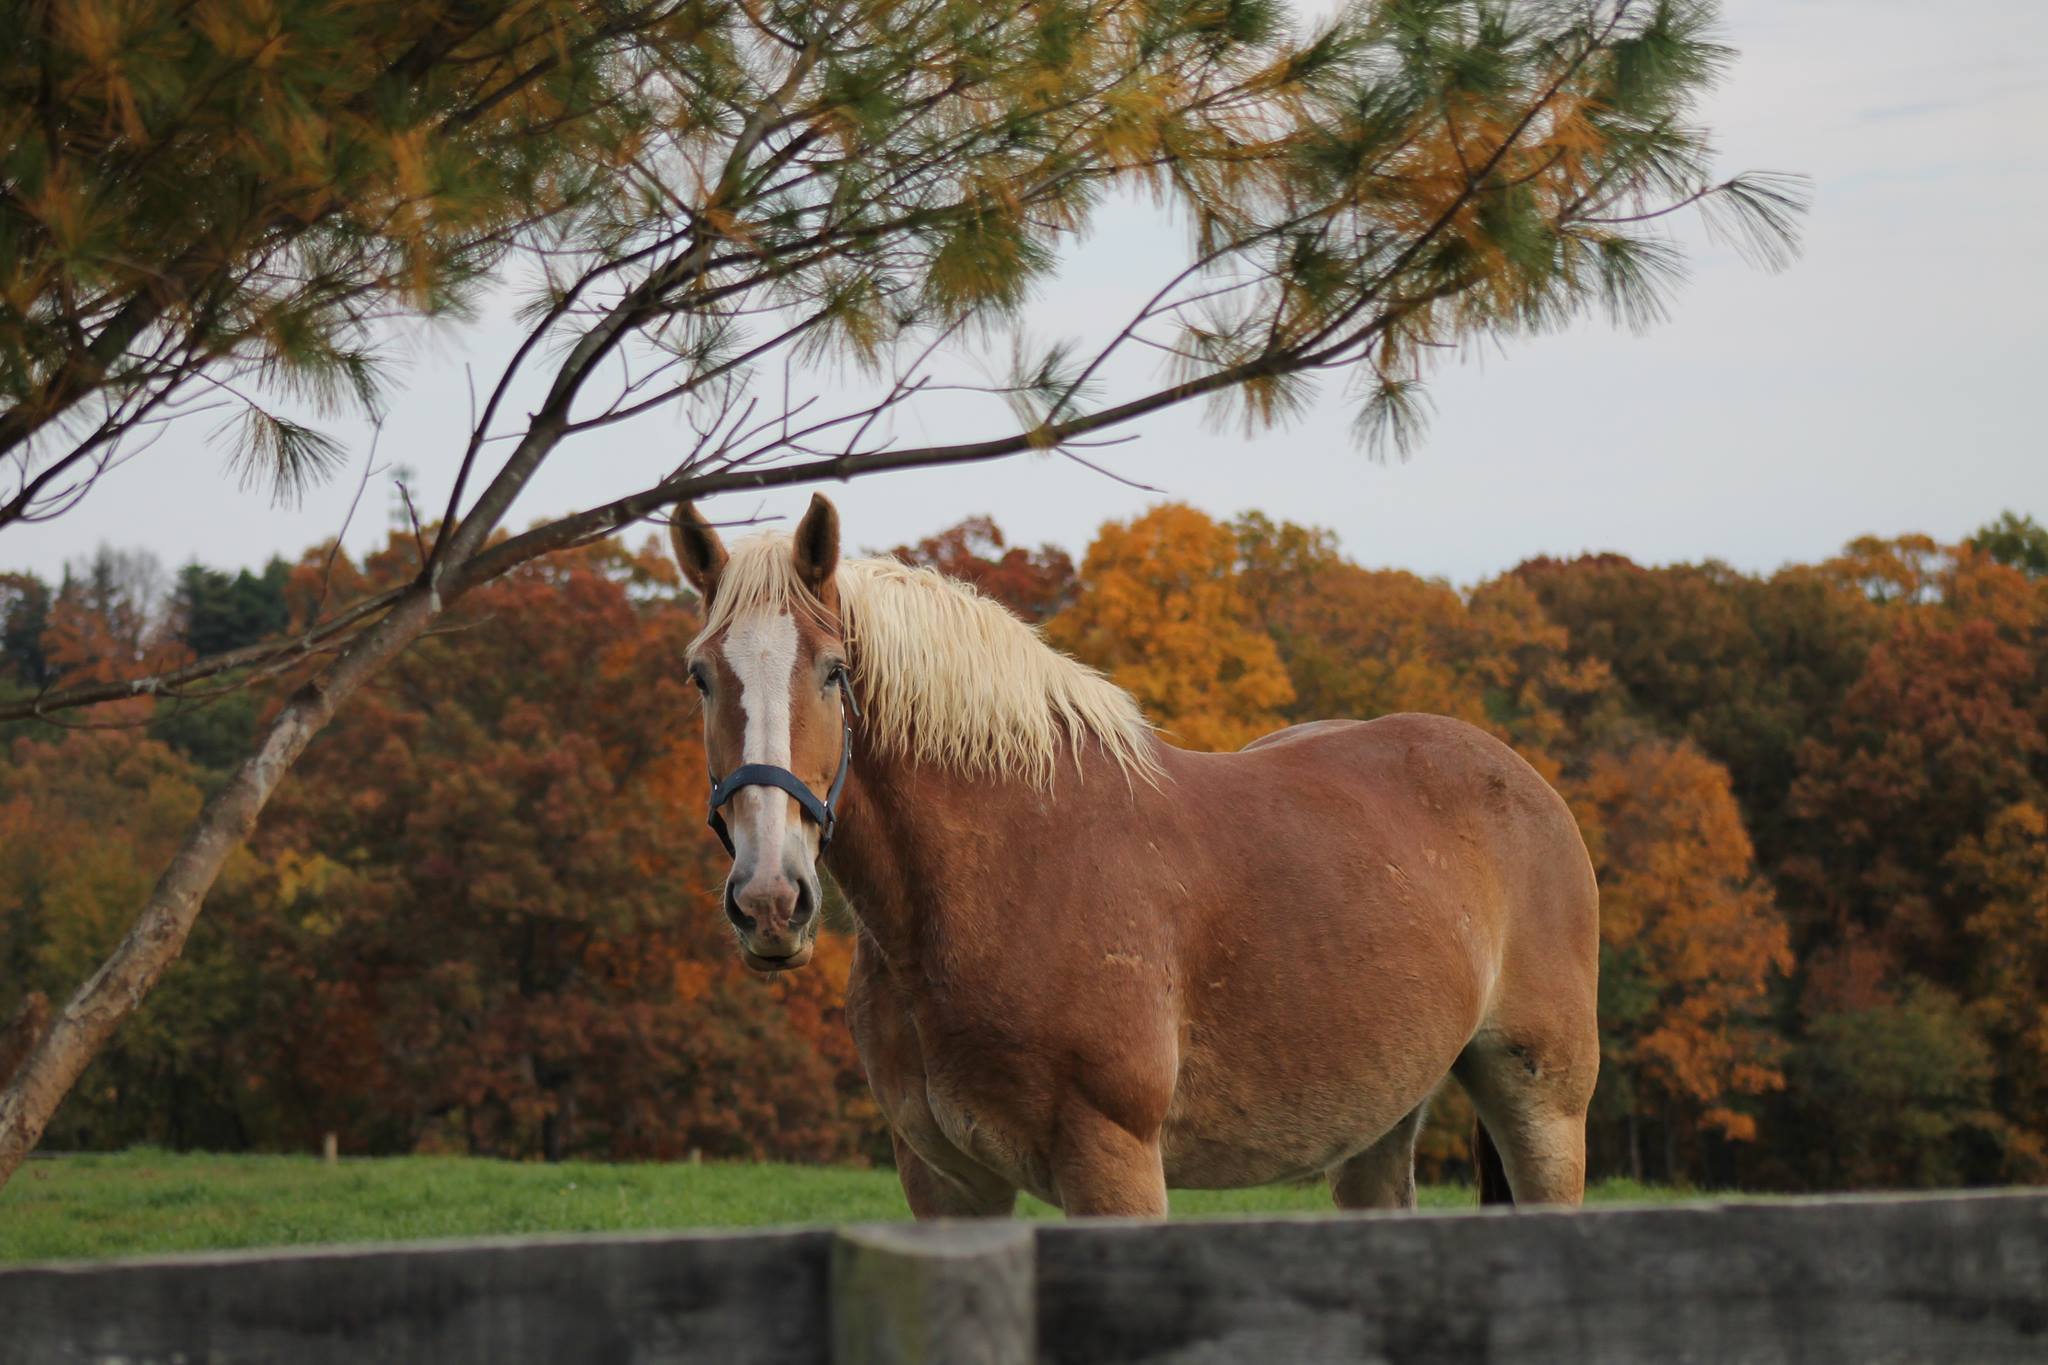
[481,915]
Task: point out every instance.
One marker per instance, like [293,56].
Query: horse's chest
[946,1096]
[975,1124]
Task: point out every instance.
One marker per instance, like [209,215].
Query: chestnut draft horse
[1093,966]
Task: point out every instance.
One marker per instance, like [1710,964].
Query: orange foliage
[1162,611]
[1032,583]
[511,943]
[2007,868]
[1688,931]
[1363,643]
[482,914]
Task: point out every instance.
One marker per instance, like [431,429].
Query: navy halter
[819,813]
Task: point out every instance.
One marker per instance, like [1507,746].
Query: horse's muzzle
[776,923]
[777,964]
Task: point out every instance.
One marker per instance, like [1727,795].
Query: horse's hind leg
[1532,1094]
[1383,1175]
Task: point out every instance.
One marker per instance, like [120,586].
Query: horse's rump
[1379,895]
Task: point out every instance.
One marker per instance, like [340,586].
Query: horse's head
[771,663]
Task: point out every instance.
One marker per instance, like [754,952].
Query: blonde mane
[945,675]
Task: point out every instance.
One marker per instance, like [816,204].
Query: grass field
[142,1202]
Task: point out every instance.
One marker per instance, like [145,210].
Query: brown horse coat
[1197,970]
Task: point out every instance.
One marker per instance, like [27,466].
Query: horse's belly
[1260,1097]
[1230,1141]
[1196,1162]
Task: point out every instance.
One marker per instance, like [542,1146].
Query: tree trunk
[75,1037]
[19,1037]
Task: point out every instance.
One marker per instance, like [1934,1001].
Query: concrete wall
[1962,1278]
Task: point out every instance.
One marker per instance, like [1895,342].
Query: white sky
[1886,383]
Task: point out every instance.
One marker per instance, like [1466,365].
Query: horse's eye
[699,680]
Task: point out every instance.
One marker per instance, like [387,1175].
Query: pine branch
[262,655]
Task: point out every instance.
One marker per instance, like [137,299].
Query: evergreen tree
[198,196]
[24,616]
[215,613]
[2016,541]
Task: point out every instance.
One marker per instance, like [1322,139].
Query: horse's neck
[918,849]
[886,840]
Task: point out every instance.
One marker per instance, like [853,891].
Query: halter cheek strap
[819,813]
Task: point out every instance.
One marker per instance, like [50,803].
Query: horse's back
[1425,778]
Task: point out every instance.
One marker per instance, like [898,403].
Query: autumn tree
[1362,643]
[471,921]
[495,896]
[2006,867]
[1929,743]
[1746,667]
[706,192]
[1032,583]
[1161,611]
[1914,854]
[479,918]
[1690,947]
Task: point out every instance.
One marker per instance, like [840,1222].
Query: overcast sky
[1888,382]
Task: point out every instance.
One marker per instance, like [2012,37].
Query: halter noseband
[819,813]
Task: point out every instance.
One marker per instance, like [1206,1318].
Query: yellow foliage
[1681,905]
[1161,611]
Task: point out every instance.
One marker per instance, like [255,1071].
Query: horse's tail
[1493,1177]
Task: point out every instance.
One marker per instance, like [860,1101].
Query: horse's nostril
[740,918]
[805,906]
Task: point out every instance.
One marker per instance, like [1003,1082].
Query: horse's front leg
[951,1194]
[1100,1168]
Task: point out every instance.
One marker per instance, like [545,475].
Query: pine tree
[225,195]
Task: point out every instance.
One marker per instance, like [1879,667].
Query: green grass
[147,1202]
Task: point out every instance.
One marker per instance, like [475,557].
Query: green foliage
[86,821]
[214,613]
[24,616]
[213,733]
[1483,168]
[230,189]
[2015,541]
[1896,1093]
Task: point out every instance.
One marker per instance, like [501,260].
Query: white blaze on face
[760,649]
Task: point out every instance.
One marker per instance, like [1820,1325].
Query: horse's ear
[698,549]
[817,544]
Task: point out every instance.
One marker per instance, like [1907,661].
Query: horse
[1093,966]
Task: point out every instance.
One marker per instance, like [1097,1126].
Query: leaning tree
[708,200]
